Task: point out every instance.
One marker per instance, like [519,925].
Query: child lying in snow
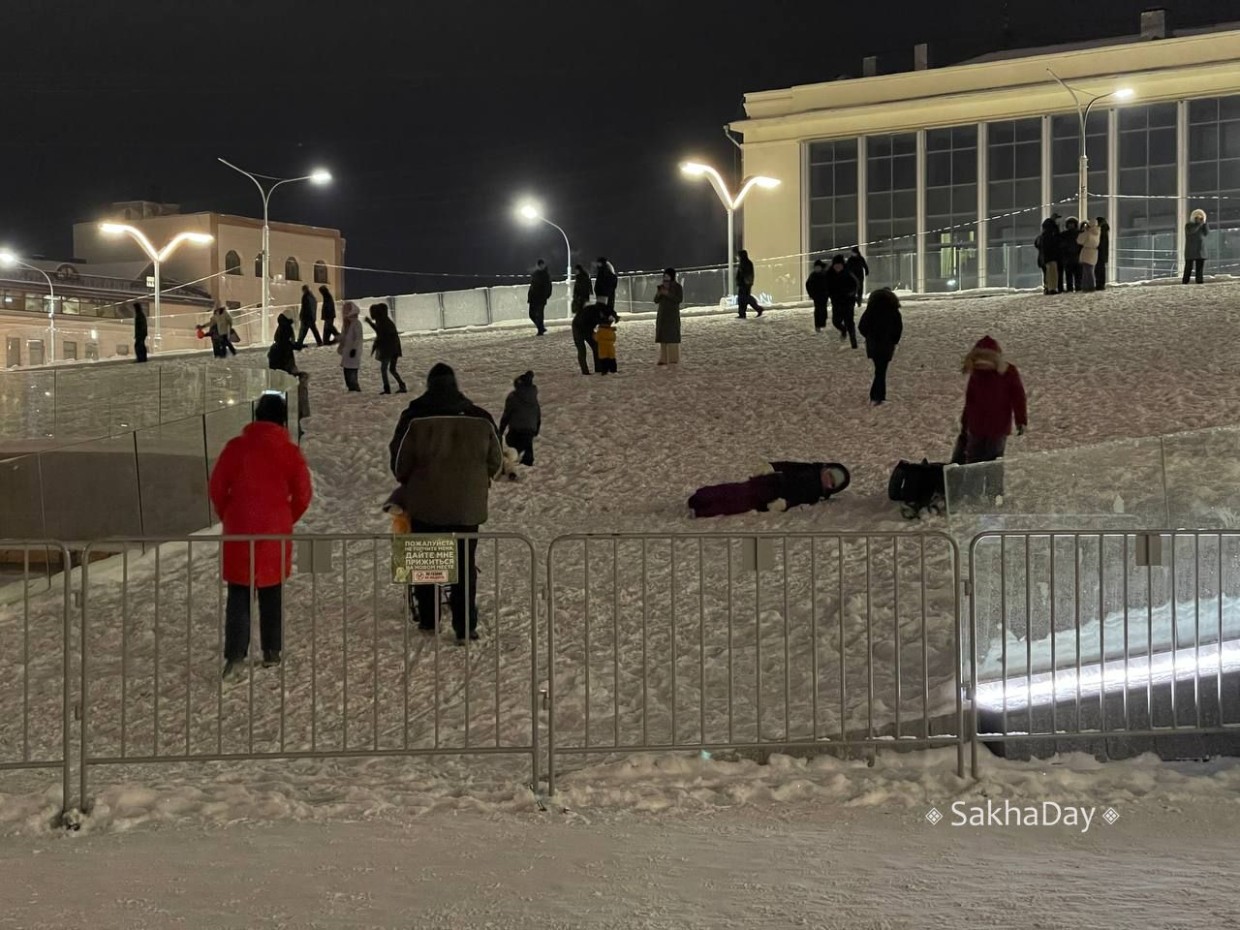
[786,484]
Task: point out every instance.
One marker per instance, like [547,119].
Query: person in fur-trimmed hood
[1195,232]
[783,485]
[994,398]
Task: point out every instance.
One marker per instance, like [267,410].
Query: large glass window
[832,196]
[891,209]
[1144,240]
[1214,177]
[1065,162]
[951,208]
[1014,196]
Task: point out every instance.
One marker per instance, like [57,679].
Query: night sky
[435,116]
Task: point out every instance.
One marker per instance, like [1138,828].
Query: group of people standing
[1073,258]
[603,290]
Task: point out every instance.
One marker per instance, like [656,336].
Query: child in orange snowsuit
[605,336]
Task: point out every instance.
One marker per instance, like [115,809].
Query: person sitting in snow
[784,485]
[522,418]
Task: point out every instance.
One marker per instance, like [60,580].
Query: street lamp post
[532,214]
[318,176]
[9,260]
[157,257]
[731,204]
[1082,112]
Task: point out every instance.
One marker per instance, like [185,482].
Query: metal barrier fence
[359,681]
[1131,634]
[35,664]
[752,642]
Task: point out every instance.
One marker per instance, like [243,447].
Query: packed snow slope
[623,453]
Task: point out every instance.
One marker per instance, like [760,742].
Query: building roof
[1010,54]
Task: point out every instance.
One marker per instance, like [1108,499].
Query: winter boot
[234,670]
[271,658]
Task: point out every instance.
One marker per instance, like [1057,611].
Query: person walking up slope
[260,486]
[522,419]
[309,311]
[818,291]
[1195,232]
[327,311]
[744,285]
[842,289]
[881,326]
[859,269]
[538,295]
[994,398]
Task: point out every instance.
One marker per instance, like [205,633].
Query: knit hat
[271,408]
[839,260]
[441,378]
[820,264]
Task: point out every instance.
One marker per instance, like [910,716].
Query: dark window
[1144,236]
[1014,166]
[232,263]
[1214,176]
[258,266]
[320,272]
[292,271]
[833,195]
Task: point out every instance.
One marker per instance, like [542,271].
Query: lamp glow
[531,213]
[731,204]
[9,259]
[527,211]
[1124,93]
[320,176]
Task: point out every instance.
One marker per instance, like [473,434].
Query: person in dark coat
[1047,245]
[606,282]
[1195,232]
[522,418]
[816,288]
[1070,255]
[584,322]
[859,269]
[538,295]
[1104,254]
[139,332]
[444,454]
[744,285]
[994,398]
[327,311]
[881,327]
[842,289]
[309,313]
[260,486]
[582,289]
[785,485]
[668,298]
[387,347]
[282,354]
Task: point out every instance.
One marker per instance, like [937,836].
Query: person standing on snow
[327,311]
[522,419]
[994,398]
[139,332]
[1070,255]
[606,282]
[444,454]
[350,346]
[842,289]
[744,285]
[859,269]
[1195,232]
[222,329]
[881,327]
[309,312]
[260,486]
[1048,248]
[387,347]
[816,288]
[1089,240]
[538,295]
[668,299]
[1104,254]
[582,289]
[584,322]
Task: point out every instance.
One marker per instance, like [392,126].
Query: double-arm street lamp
[318,176]
[1084,103]
[157,256]
[731,204]
[9,260]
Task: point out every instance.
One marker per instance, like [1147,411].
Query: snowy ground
[623,454]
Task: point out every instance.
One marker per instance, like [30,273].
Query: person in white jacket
[350,347]
[1089,239]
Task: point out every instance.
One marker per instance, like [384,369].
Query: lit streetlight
[731,204]
[9,260]
[530,213]
[1082,112]
[157,256]
[318,176]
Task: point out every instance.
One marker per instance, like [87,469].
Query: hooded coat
[995,395]
[1195,232]
[1069,249]
[260,486]
[667,323]
[309,306]
[1090,241]
[881,325]
[1104,241]
[139,323]
[841,285]
[582,290]
[540,286]
[1048,242]
[522,412]
[816,284]
[444,453]
[350,343]
[387,339]
[328,308]
[281,356]
[606,281]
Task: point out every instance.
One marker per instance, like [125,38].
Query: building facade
[230,268]
[945,175]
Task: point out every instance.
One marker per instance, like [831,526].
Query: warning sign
[424,560]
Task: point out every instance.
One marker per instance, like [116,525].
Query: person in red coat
[260,486]
[994,398]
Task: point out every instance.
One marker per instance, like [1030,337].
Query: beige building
[944,175]
[230,268]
